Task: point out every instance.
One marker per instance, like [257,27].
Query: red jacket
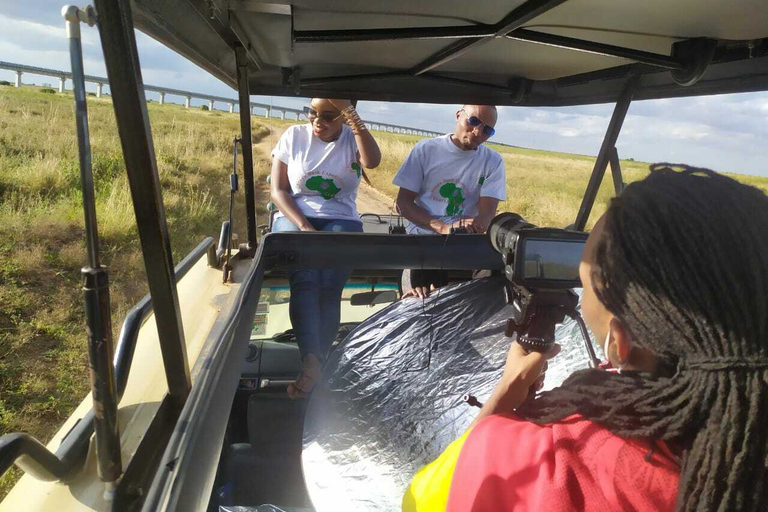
[512,465]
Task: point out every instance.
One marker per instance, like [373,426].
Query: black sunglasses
[474,122]
[328,117]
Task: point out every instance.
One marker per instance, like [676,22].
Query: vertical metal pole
[121,57]
[618,180]
[609,142]
[95,278]
[244,98]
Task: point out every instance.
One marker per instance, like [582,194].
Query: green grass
[43,356]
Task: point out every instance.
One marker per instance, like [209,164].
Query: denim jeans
[315,306]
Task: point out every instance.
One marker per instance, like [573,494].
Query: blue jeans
[315,307]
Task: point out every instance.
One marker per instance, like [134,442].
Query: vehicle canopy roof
[533,53]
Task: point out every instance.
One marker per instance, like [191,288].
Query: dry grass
[43,357]
[544,187]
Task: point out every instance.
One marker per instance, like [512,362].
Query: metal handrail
[31,455]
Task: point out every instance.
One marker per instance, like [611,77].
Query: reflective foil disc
[392,394]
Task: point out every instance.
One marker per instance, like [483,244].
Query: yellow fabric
[429,488]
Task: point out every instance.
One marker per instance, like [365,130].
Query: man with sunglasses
[451,183]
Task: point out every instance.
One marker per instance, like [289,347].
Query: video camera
[542,267]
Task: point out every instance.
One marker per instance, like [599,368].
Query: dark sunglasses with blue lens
[328,117]
[474,122]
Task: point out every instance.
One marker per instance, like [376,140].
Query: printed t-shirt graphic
[324,176]
[449,181]
[325,186]
[453,193]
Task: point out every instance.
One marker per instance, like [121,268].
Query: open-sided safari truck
[197,382]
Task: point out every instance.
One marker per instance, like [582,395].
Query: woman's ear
[622,341]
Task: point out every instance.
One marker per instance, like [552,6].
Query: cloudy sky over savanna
[726,133]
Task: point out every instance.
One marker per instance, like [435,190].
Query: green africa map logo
[325,186]
[455,199]
[356,167]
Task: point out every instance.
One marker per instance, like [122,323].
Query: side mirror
[373,298]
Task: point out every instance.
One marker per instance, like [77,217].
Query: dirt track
[370,200]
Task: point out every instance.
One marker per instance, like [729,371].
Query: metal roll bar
[31,455]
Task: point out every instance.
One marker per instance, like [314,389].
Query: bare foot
[311,369]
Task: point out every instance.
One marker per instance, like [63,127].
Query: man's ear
[622,341]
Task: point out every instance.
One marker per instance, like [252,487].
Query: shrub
[204,107]
[5,82]
[91,94]
[47,90]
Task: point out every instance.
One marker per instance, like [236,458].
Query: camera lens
[503,230]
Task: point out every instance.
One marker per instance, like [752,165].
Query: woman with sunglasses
[316,170]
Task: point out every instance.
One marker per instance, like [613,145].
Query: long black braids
[683,264]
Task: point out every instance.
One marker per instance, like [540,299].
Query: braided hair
[683,264]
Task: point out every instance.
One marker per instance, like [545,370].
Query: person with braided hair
[316,171]
[675,278]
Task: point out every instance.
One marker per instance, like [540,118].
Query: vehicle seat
[267,469]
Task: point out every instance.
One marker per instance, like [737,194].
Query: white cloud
[722,132]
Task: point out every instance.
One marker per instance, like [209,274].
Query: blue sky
[726,133]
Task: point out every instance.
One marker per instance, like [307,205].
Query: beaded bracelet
[352,118]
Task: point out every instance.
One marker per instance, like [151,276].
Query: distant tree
[204,107]
[47,90]
[91,94]
[5,82]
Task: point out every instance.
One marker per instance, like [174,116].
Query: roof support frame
[482,31]
[514,20]
[230,31]
[607,150]
[609,50]
[118,42]
[393,75]
[469,37]
[245,136]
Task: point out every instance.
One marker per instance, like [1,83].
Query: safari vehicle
[205,396]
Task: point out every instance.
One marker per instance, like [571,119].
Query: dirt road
[370,200]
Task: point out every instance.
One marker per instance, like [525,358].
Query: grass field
[43,357]
[544,187]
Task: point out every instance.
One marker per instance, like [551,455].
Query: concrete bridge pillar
[162,98]
[61,83]
[267,113]
[231,108]
[18,79]
[282,114]
[99,90]
[187,100]
[253,110]
[210,104]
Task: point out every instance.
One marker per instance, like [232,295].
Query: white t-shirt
[450,181]
[324,176]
